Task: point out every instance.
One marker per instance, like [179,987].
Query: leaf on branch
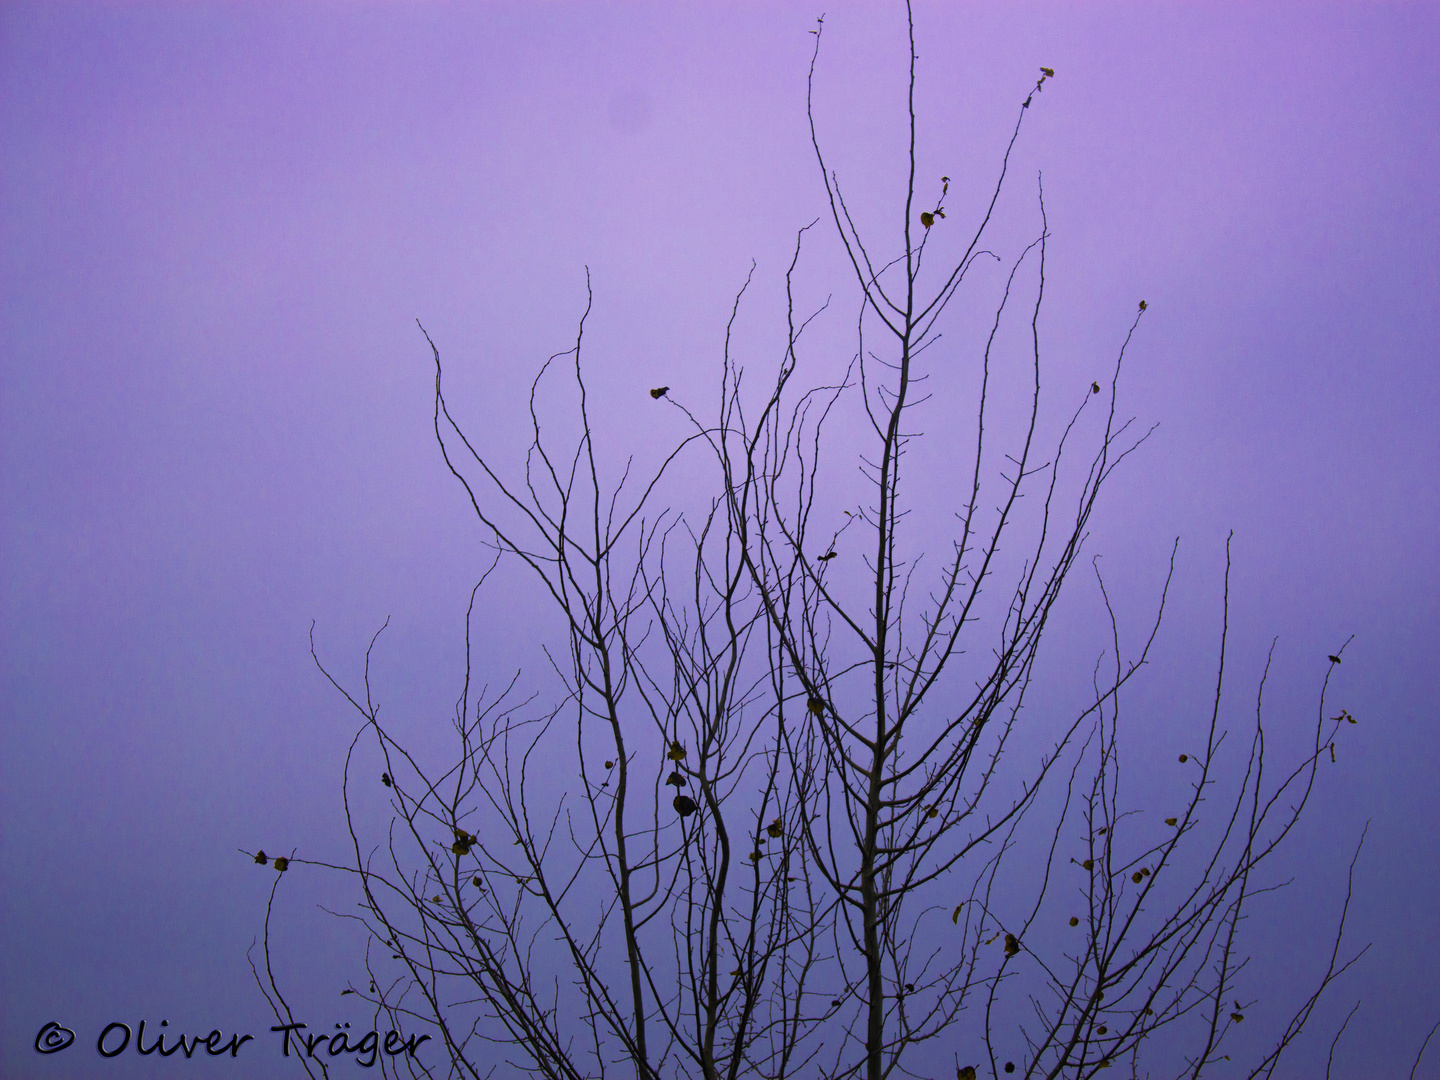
[1094,388]
[609,764]
[1184,758]
[967,1073]
[1009,1066]
[684,805]
[385,779]
[1237,1017]
[955,915]
[261,857]
[1171,820]
[817,706]
[1088,864]
[927,219]
[659,392]
[282,864]
[827,556]
[344,992]
[1137,877]
[1074,921]
[931,811]
[776,828]
[677,752]
[1012,945]
[1049,73]
[1143,305]
[1334,659]
[675,779]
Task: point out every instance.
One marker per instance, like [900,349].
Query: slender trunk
[869,888]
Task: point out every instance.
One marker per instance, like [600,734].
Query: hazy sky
[220,222]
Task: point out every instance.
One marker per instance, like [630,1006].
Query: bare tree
[789,844]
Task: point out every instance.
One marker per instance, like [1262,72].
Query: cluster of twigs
[778,772]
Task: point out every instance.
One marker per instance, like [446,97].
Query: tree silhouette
[833,881]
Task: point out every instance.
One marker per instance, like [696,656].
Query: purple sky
[219,222]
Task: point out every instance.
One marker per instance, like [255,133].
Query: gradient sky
[219,223]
